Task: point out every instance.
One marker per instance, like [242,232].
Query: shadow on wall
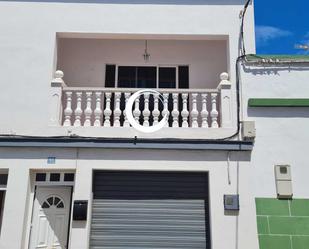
[174,2]
[279,112]
[272,69]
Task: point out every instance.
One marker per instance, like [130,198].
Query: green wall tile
[289,225]
[262,224]
[271,206]
[300,242]
[299,207]
[274,242]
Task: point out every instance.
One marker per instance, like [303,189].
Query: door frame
[32,197]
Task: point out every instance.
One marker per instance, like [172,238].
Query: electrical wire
[243,50]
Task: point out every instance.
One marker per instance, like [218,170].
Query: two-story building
[75,174]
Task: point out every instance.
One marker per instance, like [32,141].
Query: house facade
[227,169]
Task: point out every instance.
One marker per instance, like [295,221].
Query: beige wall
[83,60]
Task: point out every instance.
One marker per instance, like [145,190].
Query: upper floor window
[147,76]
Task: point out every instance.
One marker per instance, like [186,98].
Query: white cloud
[264,34]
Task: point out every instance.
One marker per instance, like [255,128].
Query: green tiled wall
[283,224]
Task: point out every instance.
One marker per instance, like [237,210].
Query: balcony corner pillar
[57,85]
[226,109]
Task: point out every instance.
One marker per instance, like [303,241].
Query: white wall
[28,33]
[282,133]
[237,229]
[83,60]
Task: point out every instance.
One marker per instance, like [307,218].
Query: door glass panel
[167,77]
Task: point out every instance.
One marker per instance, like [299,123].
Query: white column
[156,112]
[204,112]
[17,199]
[56,99]
[185,112]
[146,112]
[88,110]
[194,111]
[117,110]
[107,111]
[214,112]
[226,114]
[126,122]
[80,231]
[98,110]
[165,107]
[175,112]
[68,110]
[78,111]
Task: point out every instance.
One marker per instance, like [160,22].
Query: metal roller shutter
[150,210]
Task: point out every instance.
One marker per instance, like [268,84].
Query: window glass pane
[55,177]
[45,205]
[146,77]
[127,77]
[110,71]
[183,77]
[167,77]
[40,177]
[3,179]
[69,177]
[50,201]
[60,205]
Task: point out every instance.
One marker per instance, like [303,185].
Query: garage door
[150,210]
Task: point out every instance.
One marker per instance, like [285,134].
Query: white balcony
[100,112]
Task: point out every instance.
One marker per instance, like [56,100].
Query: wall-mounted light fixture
[146,55]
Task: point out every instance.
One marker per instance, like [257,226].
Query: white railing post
[107,111]
[136,112]
[98,110]
[185,112]
[226,115]
[56,99]
[175,112]
[78,111]
[88,110]
[146,112]
[126,121]
[165,110]
[204,112]
[214,112]
[156,112]
[117,110]
[194,111]
[68,110]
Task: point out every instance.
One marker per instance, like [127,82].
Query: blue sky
[280,25]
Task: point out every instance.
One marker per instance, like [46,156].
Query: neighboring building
[75,175]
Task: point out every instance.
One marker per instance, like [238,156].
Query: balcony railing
[105,107]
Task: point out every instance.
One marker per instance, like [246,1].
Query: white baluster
[185,112]
[117,110]
[165,107]
[136,112]
[204,112]
[98,110]
[88,110]
[156,112]
[78,111]
[214,112]
[146,112]
[107,112]
[194,111]
[126,122]
[68,110]
[175,112]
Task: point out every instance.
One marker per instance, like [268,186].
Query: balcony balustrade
[193,109]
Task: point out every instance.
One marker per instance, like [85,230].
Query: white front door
[50,218]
